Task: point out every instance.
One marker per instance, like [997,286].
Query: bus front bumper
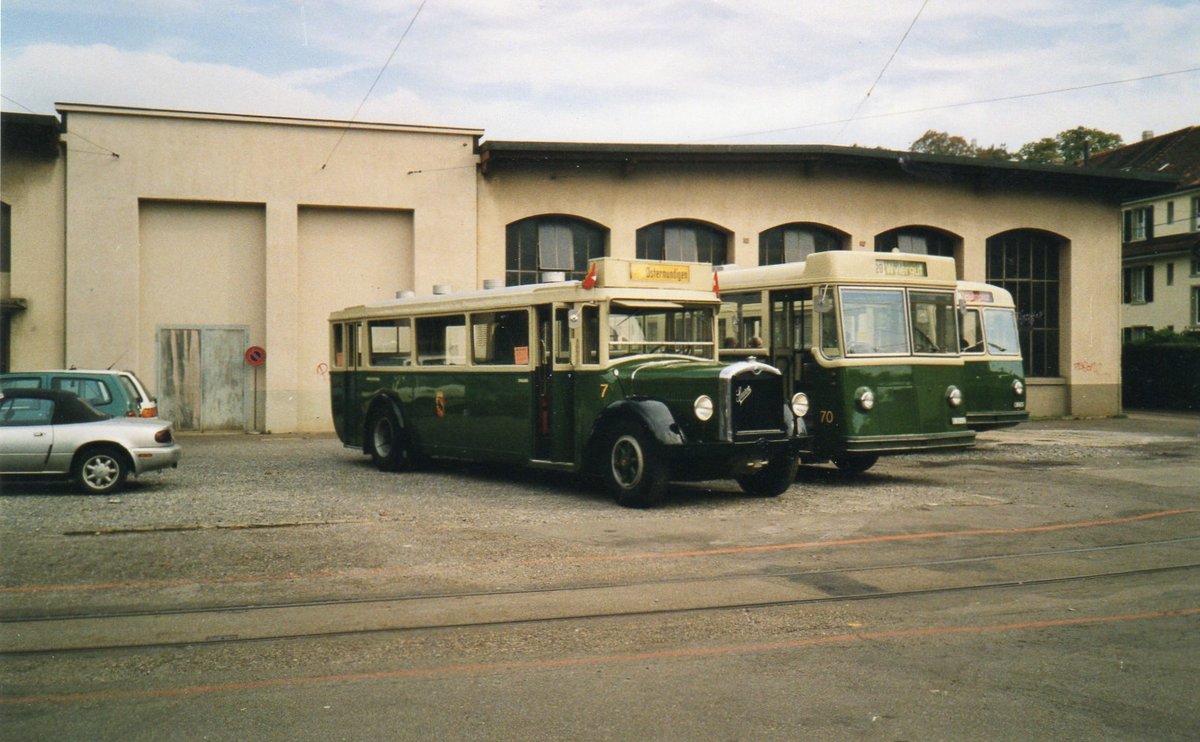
[697,462]
[885,445]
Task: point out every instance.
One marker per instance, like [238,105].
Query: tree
[1068,147]
[1042,152]
[940,143]
[1079,143]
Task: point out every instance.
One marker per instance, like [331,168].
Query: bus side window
[500,338]
[591,333]
[562,335]
[829,340]
[390,342]
[339,346]
[442,341]
[972,332]
[740,320]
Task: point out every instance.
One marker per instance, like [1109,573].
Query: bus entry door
[554,399]
[791,338]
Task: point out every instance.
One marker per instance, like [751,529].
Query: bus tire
[855,463]
[387,440]
[773,479]
[633,471]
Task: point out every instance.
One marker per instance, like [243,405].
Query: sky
[871,73]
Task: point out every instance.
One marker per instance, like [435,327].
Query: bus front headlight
[1018,388]
[703,407]
[954,396]
[799,404]
[865,398]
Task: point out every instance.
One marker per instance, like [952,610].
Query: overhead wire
[879,77]
[960,104]
[378,77]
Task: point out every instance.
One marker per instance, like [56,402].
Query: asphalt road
[1041,586]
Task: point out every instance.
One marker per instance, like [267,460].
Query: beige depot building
[170,242]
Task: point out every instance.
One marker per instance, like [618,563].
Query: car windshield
[657,328]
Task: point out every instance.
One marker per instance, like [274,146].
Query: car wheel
[99,471]
[772,480]
[855,464]
[388,441]
[634,473]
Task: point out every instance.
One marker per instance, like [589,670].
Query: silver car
[44,431]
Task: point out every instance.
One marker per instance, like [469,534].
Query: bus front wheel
[772,480]
[633,472]
[855,463]
[388,442]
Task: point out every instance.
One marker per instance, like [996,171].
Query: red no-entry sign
[255,356]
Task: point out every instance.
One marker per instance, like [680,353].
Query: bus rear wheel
[772,480]
[855,463]
[633,472]
[388,441]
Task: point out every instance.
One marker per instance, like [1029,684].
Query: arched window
[792,243]
[685,240]
[1026,263]
[551,243]
[917,241]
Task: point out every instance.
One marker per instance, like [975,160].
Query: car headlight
[954,396]
[703,407]
[1018,388]
[865,398]
[799,404]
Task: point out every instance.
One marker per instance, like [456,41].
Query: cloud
[42,74]
[735,71]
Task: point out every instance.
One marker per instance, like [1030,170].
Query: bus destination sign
[661,272]
[906,268]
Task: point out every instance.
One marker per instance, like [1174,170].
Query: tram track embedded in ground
[114,631]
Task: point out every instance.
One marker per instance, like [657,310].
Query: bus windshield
[873,321]
[934,330]
[1000,326]
[656,327]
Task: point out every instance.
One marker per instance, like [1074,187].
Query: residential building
[1160,236]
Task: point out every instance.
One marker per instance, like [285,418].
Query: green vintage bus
[870,338]
[616,375]
[994,379]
